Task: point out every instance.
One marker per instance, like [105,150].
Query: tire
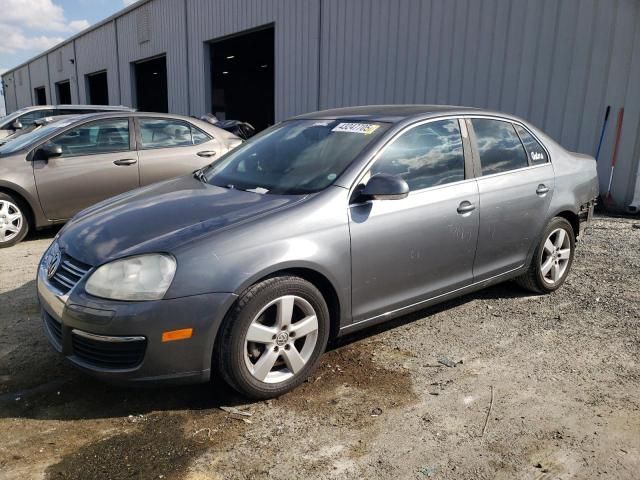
[14,220]
[258,332]
[552,262]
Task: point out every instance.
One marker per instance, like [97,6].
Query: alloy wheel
[281,339]
[11,219]
[555,256]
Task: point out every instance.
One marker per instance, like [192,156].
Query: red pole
[616,145]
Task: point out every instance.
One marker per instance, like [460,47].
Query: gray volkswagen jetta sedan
[321,225]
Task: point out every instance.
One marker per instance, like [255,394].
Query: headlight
[145,277]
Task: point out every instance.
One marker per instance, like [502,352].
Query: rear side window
[102,136]
[168,133]
[536,153]
[499,146]
[428,155]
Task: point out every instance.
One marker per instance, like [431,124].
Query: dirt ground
[563,370]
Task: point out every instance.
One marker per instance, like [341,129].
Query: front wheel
[273,338]
[552,259]
[14,224]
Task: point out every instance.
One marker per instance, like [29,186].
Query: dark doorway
[151,85]
[64,93]
[41,95]
[98,88]
[242,78]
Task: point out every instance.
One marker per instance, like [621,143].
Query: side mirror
[385,187]
[17,125]
[49,151]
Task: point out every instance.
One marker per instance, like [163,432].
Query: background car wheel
[273,338]
[14,224]
[552,259]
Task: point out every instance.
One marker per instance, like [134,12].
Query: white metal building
[557,63]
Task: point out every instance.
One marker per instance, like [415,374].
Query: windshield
[294,157]
[32,137]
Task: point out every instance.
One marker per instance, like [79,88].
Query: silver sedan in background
[54,171]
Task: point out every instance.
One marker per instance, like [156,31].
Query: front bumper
[122,341]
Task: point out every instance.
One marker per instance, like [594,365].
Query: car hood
[160,218]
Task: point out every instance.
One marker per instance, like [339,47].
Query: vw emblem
[54,263]
[282,338]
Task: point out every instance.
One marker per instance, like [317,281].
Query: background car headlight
[144,277]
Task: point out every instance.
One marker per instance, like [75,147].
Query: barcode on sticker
[364,128]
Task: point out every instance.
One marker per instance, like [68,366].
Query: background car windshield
[35,136]
[295,157]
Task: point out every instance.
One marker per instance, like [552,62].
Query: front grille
[54,327]
[108,354]
[68,274]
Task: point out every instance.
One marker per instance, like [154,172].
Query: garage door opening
[41,95]
[63,91]
[242,78]
[151,85]
[98,88]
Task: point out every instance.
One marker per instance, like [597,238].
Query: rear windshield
[295,157]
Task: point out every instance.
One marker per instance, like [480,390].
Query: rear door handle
[466,207]
[542,189]
[125,161]
[206,153]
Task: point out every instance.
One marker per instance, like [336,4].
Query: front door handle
[542,189]
[206,153]
[125,161]
[466,207]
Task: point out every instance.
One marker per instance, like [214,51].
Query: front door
[407,251]
[515,187]
[97,162]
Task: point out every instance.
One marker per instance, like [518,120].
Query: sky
[29,27]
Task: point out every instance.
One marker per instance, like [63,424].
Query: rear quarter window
[537,154]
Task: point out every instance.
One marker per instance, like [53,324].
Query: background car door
[171,148]
[98,161]
[405,251]
[515,192]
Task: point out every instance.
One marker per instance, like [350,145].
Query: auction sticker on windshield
[364,128]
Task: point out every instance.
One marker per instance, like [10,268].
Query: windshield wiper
[200,175]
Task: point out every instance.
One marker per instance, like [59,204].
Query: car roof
[106,108]
[393,113]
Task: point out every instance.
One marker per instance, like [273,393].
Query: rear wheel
[552,259]
[273,338]
[14,224]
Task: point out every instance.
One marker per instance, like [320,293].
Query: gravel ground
[559,375]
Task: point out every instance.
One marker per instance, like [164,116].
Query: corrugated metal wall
[555,63]
[61,69]
[296,47]
[97,51]
[39,73]
[9,89]
[166,36]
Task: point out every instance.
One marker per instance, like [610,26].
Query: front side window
[428,155]
[537,154]
[168,133]
[295,157]
[499,146]
[102,136]
[29,119]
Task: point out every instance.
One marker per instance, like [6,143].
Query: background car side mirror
[17,125]
[49,151]
[385,187]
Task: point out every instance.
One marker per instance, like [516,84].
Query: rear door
[170,147]
[98,161]
[406,251]
[515,188]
